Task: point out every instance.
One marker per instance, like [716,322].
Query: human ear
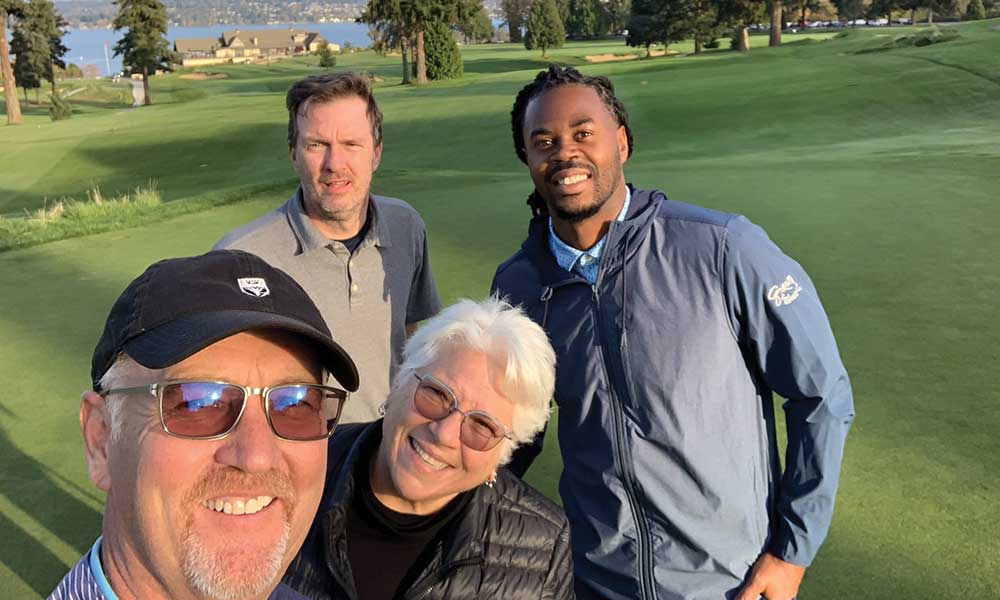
[622,144]
[378,157]
[95,423]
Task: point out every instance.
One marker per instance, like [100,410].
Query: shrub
[712,43]
[327,59]
[444,61]
[975,11]
[60,108]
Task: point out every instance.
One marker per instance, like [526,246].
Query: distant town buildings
[250,45]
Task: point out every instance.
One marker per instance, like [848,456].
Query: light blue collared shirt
[98,571]
[583,262]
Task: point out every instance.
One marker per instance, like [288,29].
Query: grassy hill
[876,165]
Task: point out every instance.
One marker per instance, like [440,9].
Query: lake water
[86,46]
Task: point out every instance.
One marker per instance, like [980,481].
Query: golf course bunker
[599,58]
[204,75]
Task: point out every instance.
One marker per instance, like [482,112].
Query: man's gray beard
[209,573]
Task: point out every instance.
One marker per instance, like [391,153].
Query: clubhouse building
[254,45]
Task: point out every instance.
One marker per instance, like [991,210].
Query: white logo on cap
[254,286]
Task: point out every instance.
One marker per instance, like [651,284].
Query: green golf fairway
[879,171]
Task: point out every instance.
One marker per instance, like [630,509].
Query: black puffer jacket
[511,542]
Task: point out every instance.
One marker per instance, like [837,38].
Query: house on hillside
[238,46]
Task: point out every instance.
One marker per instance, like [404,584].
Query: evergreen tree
[975,11]
[327,60]
[849,10]
[660,21]
[9,8]
[476,26]
[412,17]
[144,47]
[444,61]
[585,19]
[515,13]
[30,42]
[60,108]
[57,25]
[544,28]
[563,7]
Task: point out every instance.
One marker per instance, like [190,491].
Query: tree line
[37,31]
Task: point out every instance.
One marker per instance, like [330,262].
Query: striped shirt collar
[589,260]
[98,571]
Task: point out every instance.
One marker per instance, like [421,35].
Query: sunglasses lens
[432,403]
[304,412]
[201,409]
[480,433]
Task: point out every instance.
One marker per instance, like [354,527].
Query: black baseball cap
[180,306]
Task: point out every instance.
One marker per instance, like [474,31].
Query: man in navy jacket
[673,326]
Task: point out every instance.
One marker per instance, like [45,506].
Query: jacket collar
[461,539]
[622,235]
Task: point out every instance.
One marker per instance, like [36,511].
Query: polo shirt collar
[310,238]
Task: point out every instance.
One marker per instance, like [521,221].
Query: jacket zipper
[645,568]
[429,587]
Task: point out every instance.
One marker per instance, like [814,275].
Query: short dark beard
[587,212]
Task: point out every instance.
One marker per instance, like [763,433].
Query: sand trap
[203,75]
[599,58]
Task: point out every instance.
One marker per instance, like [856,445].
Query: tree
[476,26]
[776,23]
[739,14]
[30,42]
[327,60]
[57,25]
[849,10]
[144,47]
[411,18]
[387,34]
[882,8]
[9,8]
[939,7]
[617,13]
[60,108]
[585,19]
[444,61]
[544,28]
[804,7]
[516,13]
[975,11]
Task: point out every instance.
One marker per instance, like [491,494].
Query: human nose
[333,160]
[566,149]
[251,447]
[448,430]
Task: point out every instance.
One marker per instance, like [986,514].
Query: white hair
[123,370]
[509,338]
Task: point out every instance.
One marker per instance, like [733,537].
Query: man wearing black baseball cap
[206,426]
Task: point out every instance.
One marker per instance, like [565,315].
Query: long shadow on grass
[183,163]
[45,498]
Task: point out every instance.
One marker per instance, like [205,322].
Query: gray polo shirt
[366,298]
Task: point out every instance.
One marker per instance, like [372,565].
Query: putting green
[879,171]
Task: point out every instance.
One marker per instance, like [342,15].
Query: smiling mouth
[427,458]
[570,180]
[237,505]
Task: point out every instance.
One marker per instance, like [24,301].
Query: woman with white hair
[416,504]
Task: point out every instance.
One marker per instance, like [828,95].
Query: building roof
[187,45]
[267,39]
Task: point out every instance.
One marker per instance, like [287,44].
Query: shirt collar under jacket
[310,238]
[567,256]
[98,571]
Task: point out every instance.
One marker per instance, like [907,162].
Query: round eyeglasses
[210,410]
[435,401]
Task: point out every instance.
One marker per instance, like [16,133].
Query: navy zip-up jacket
[665,373]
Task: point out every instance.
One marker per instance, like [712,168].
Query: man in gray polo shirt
[362,258]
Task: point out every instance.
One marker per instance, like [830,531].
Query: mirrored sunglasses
[207,410]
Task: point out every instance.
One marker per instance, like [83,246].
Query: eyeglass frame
[442,386]
[156,390]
